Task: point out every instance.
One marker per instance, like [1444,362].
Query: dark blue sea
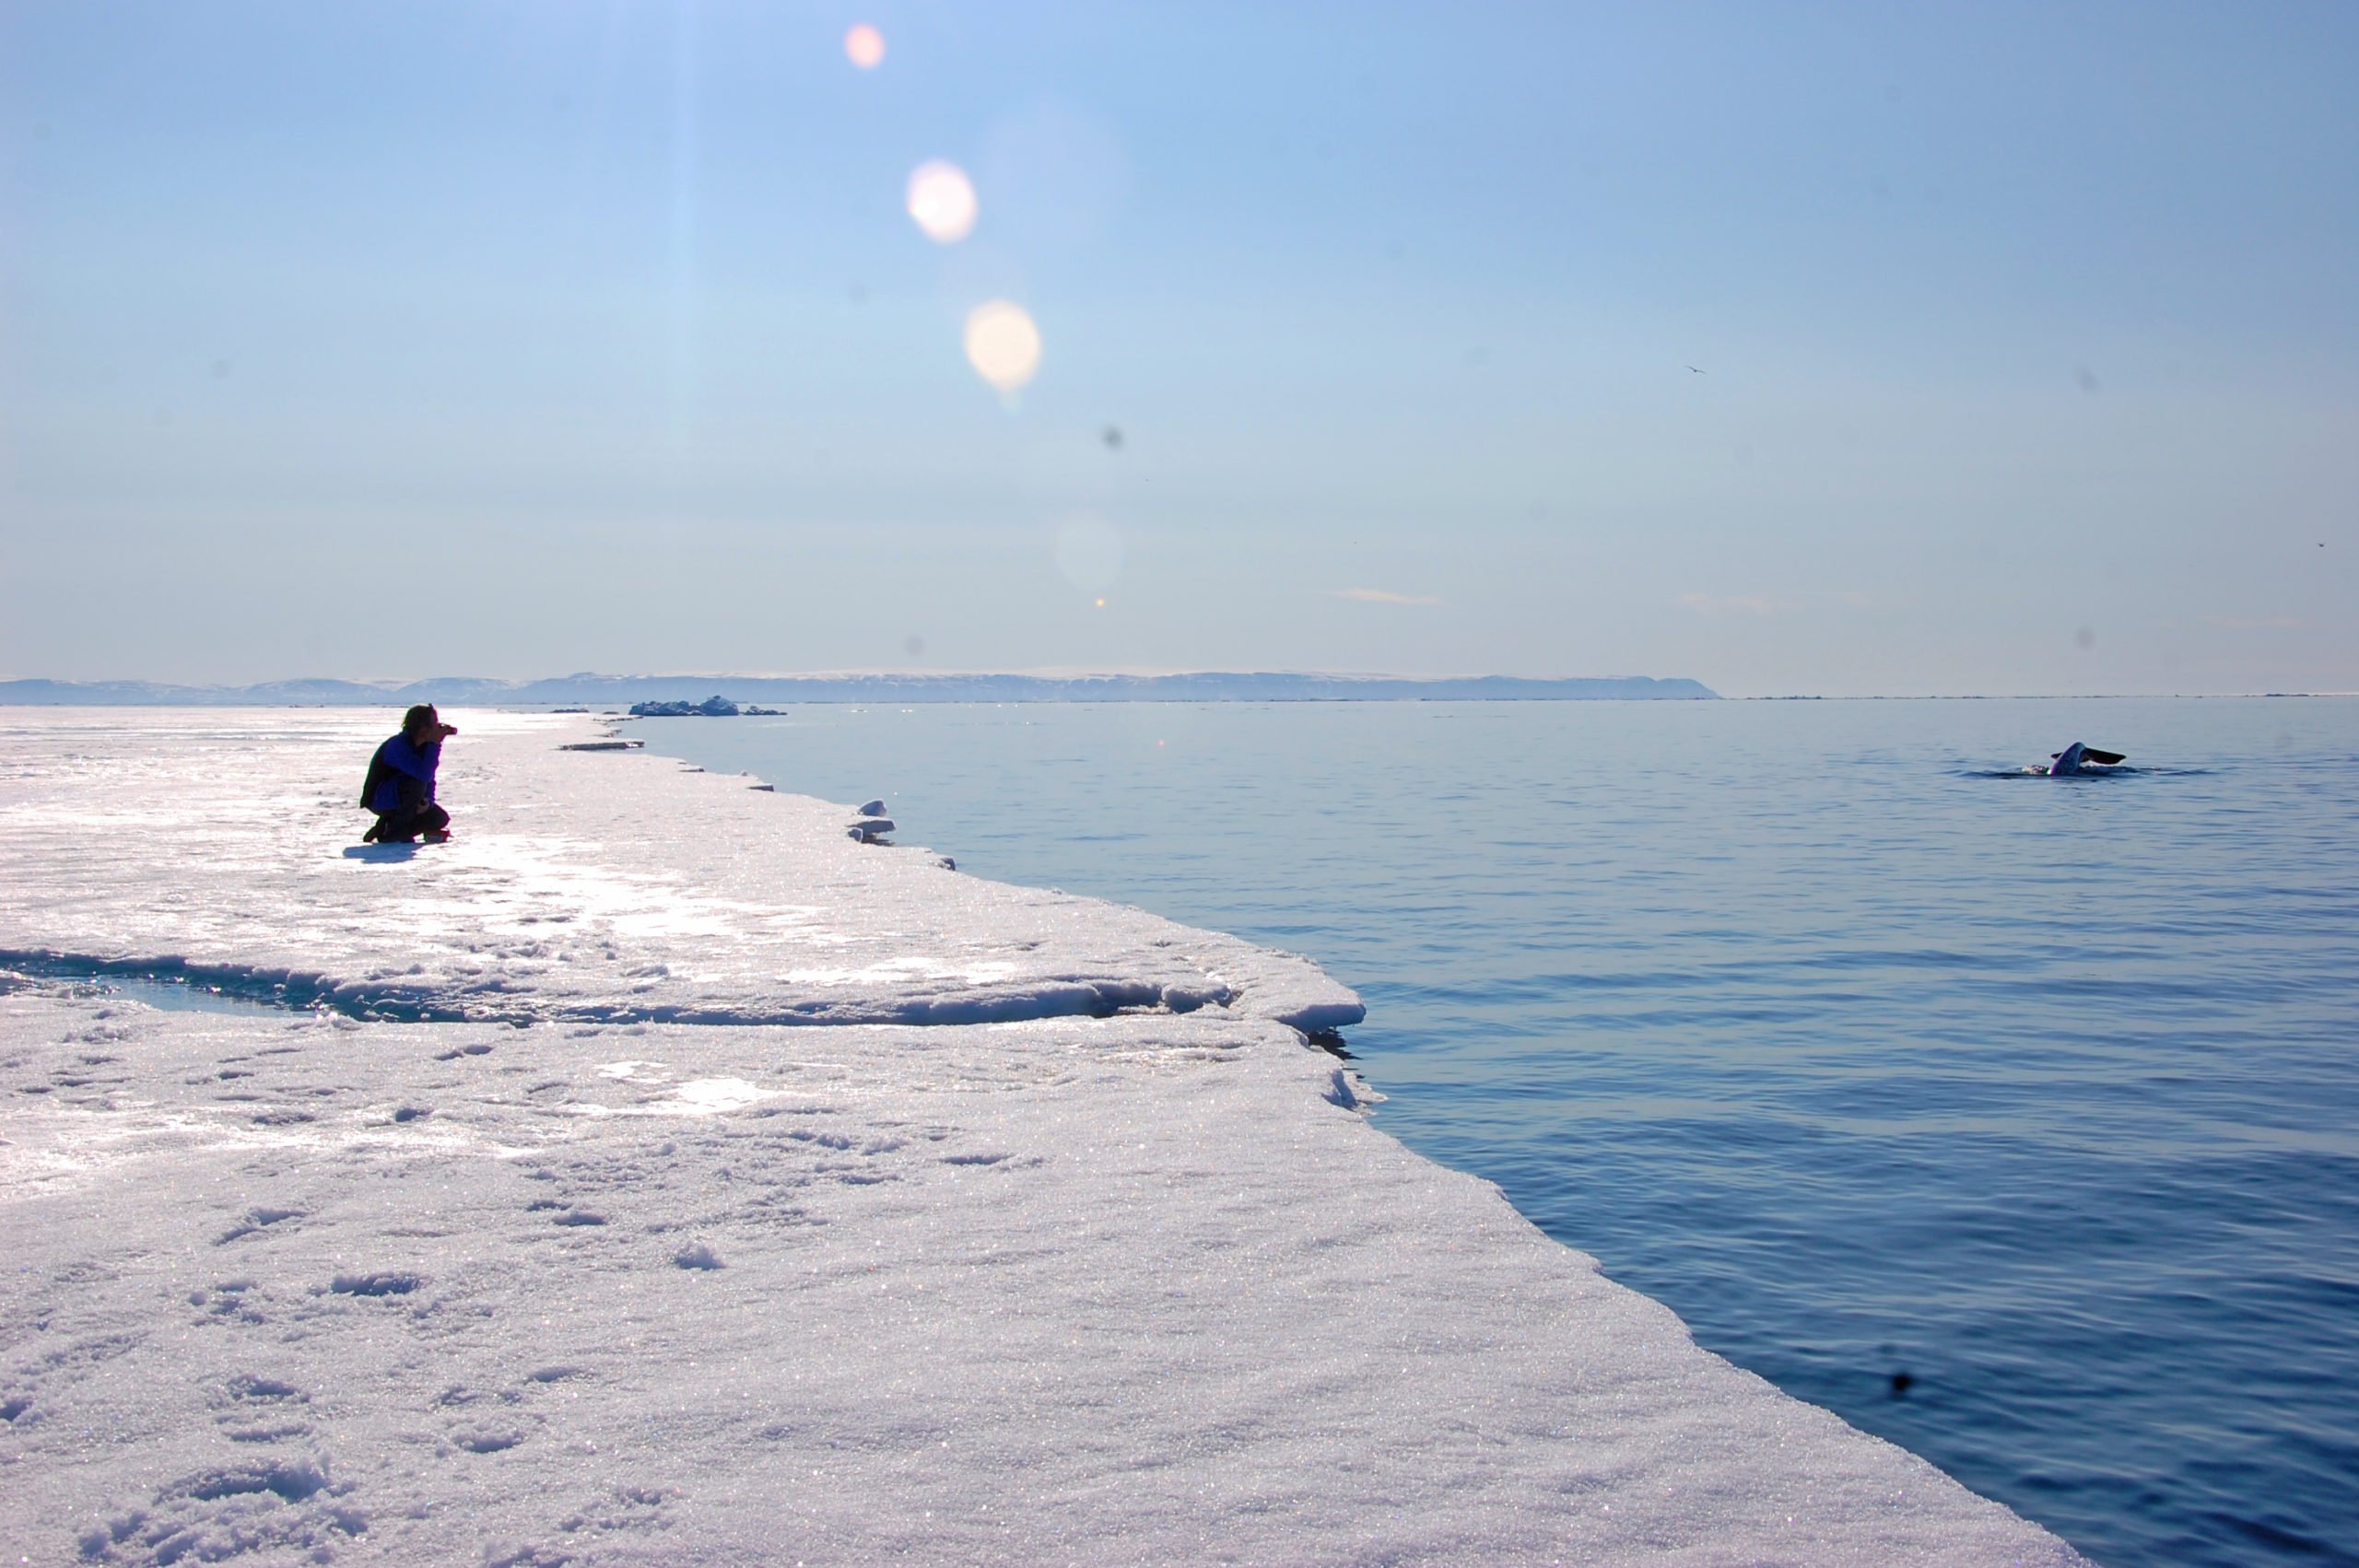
[2016,1119]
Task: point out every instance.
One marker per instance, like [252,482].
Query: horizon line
[390,685]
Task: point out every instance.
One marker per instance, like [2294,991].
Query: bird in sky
[1693,368]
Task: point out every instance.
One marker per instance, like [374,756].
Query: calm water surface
[1807,1019]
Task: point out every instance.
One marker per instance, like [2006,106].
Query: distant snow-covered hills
[1204,686]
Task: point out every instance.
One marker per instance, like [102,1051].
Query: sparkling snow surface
[778,1198]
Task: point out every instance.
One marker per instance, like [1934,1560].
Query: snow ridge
[438,1001]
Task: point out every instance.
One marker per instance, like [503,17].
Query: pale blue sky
[514,339]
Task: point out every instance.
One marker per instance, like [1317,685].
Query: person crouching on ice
[400,787]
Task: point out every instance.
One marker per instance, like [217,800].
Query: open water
[2016,1119]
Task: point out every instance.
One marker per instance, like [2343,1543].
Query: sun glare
[1002,344]
[942,200]
[864,47]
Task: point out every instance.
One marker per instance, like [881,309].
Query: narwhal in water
[2077,759]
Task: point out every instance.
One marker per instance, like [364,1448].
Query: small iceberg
[713,706]
[2078,760]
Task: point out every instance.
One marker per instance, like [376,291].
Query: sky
[1847,349]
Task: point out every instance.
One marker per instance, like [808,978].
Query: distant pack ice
[678,695]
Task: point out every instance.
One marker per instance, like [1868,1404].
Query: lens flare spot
[1002,344]
[941,201]
[864,47]
[1089,554]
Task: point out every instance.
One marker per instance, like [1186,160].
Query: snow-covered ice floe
[759,1195]
[602,887]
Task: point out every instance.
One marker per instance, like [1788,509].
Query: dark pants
[401,826]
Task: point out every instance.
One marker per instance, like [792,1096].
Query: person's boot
[370,836]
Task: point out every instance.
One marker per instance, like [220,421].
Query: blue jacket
[400,775]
